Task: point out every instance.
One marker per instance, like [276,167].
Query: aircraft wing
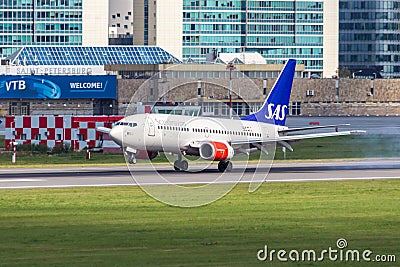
[311,128]
[316,135]
[288,138]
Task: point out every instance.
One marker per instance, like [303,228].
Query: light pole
[13,143]
[231,67]
[373,84]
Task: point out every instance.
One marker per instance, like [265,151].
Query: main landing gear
[225,166]
[181,165]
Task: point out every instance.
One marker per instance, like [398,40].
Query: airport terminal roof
[90,56]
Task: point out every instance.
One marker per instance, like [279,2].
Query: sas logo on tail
[277,112]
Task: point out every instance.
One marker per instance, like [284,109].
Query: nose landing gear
[131,157]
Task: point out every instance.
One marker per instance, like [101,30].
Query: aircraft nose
[116,135]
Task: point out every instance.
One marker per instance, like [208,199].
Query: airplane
[214,139]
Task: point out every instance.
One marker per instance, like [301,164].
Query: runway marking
[199,183]
[21,180]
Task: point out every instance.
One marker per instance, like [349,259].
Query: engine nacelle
[145,154]
[217,151]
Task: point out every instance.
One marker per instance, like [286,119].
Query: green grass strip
[346,147]
[122,226]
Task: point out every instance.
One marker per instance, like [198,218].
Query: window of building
[295,109]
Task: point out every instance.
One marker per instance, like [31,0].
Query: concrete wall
[354,97]
[330,97]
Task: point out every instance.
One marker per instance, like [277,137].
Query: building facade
[370,38]
[52,22]
[121,22]
[305,30]
[159,23]
[44,80]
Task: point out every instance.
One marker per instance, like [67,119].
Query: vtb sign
[15,85]
[58,87]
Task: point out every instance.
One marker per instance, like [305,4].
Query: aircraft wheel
[132,158]
[225,166]
[181,165]
[229,167]
[176,165]
[184,165]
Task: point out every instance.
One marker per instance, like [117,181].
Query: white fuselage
[174,133]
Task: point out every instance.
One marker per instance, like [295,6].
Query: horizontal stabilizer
[103,130]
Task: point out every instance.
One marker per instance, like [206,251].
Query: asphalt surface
[370,169]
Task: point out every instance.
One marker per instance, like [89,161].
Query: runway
[370,169]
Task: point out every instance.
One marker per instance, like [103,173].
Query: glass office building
[39,22]
[276,29]
[370,37]
[51,22]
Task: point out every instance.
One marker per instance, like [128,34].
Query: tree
[344,72]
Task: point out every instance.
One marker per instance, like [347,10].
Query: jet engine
[216,151]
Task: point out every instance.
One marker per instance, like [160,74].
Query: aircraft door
[207,132]
[151,127]
[266,132]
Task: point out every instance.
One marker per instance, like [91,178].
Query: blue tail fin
[276,105]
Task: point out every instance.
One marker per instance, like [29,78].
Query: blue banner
[58,87]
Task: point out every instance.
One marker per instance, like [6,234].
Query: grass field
[124,227]
[359,146]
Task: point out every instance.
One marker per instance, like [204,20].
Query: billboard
[58,87]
